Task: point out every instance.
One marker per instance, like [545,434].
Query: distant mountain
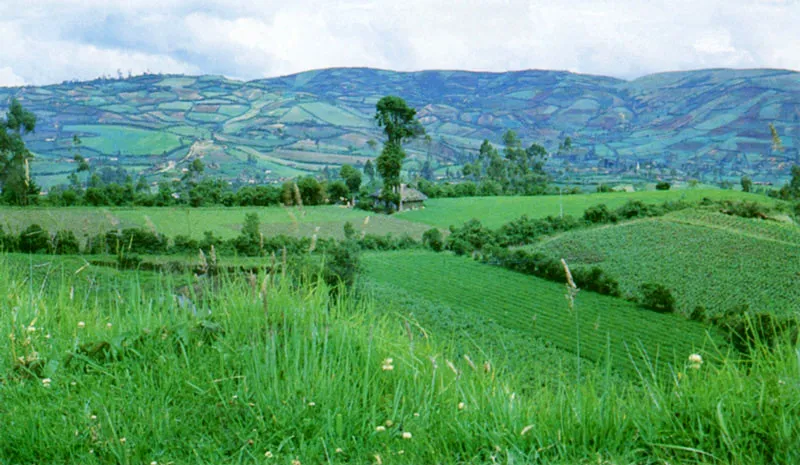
[708,123]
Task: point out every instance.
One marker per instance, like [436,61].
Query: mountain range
[706,124]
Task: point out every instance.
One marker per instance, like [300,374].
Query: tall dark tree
[399,123]
[15,181]
[369,170]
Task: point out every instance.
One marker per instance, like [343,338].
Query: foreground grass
[107,367]
[493,212]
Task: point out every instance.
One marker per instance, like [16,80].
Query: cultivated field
[495,211]
[707,258]
[325,221]
[608,326]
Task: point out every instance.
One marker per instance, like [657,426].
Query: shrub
[184,244]
[342,264]
[749,331]
[663,186]
[657,297]
[433,240]
[604,188]
[349,230]
[136,240]
[635,209]
[34,239]
[469,237]
[599,214]
[65,243]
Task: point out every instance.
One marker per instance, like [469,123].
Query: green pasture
[608,326]
[496,211]
[126,140]
[706,258]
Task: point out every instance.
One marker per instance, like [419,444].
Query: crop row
[514,301]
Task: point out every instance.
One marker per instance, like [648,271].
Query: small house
[410,198]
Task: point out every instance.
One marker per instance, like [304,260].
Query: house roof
[409,194]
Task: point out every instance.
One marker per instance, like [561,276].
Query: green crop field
[495,211]
[608,326]
[125,140]
[707,258]
[325,221]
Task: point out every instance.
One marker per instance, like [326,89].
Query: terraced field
[325,221]
[495,211]
[608,326]
[706,258]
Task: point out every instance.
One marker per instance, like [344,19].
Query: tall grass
[114,369]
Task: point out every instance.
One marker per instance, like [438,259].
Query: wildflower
[268,454]
[108,325]
[122,440]
[387,364]
[312,404]
[525,430]
[378,460]
[461,405]
[380,429]
[339,450]
[401,452]
[296,462]
[695,360]
[93,417]
[81,325]
[46,382]
[31,329]
[389,423]
[406,435]
[416,415]
[153,463]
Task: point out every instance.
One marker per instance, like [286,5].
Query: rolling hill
[706,124]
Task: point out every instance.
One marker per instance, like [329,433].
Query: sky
[50,41]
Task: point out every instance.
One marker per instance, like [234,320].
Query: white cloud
[9,79]
[68,39]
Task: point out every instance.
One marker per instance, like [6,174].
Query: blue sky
[49,41]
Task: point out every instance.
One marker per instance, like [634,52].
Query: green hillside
[706,258]
[707,124]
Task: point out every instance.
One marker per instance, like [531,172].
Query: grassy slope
[224,222]
[495,211]
[300,378]
[706,258]
[520,303]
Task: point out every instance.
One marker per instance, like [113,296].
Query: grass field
[103,366]
[706,258]
[608,326]
[325,221]
[495,211]
[125,140]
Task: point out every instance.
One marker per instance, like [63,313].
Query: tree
[777,145]
[351,177]
[399,123]
[369,170]
[747,184]
[15,181]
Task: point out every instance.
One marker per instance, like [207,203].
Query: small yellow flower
[339,450]
[81,325]
[268,454]
[380,429]
[46,382]
[389,423]
[93,417]
[108,325]
[31,329]
[461,405]
[312,404]
[122,440]
[406,435]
